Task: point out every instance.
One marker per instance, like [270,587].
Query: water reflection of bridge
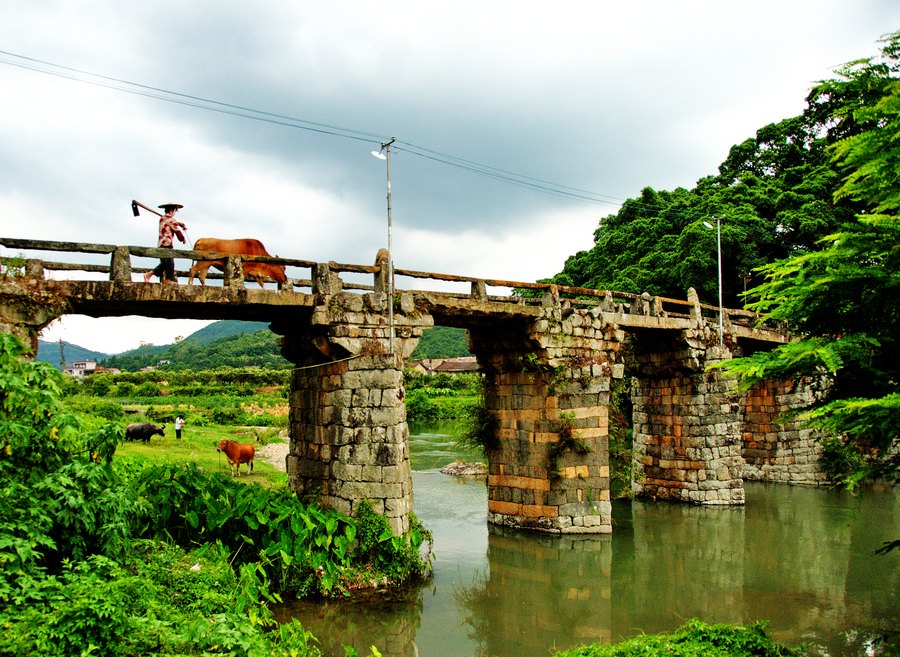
[550,357]
[800,557]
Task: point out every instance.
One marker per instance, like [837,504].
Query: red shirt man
[169,227]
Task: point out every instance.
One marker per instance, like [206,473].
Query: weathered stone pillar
[547,389]
[687,425]
[349,441]
[775,448]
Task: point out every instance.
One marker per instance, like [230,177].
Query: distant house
[445,365]
[457,365]
[416,366]
[81,368]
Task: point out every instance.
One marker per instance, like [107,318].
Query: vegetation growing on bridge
[843,297]
[810,215]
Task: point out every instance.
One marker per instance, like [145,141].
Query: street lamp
[719,252]
[385,154]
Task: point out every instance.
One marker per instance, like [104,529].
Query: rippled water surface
[801,558]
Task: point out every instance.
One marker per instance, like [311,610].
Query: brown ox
[258,271]
[237,453]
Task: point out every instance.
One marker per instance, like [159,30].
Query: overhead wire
[179,98]
[240,111]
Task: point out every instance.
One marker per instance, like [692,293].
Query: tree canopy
[843,299]
[809,225]
[775,193]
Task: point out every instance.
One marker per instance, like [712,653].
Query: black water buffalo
[143,431]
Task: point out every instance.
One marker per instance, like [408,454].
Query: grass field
[198,445]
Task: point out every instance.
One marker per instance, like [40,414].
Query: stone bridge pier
[349,440]
[687,420]
[547,394]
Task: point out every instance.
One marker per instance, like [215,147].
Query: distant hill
[442,342]
[48,352]
[235,344]
[222,343]
[224,329]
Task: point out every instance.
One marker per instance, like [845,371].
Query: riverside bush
[94,552]
[694,639]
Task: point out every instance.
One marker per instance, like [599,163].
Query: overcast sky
[599,97]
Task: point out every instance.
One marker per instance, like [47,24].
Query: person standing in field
[179,425]
[169,227]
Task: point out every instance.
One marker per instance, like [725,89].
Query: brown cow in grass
[258,271]
[237,453]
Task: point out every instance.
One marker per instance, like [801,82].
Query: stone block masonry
[349,437]
[548,389]
[687,421]
[687,439]
[697,437]
[775,447]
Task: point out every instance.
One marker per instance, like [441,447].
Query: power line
[178,98]
[240,111]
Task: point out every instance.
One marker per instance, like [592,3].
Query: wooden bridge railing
[120,268]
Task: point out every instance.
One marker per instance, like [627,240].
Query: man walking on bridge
[169,227]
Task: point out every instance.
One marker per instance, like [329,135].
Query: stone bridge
[551,357]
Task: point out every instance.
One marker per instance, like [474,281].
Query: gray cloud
[588,95]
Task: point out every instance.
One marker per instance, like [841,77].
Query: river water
[801,558]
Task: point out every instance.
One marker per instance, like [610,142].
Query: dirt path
[274,453]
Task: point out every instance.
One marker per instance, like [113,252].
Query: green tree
[776,192]
[844,300]
[442,342]
[57,498]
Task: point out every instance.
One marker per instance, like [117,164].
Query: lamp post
[385,154]
[719,253]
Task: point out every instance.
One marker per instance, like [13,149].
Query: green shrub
[694,639]
[839,459]
[98,385]
[147,389]
[482,432]
[396,556]
[103,408]
[109,410]
[160,415]
[227,415]
[420,407]
[160,600]
[302,549]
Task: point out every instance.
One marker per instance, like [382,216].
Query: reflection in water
[388,622]
[802,558]
[538,585]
